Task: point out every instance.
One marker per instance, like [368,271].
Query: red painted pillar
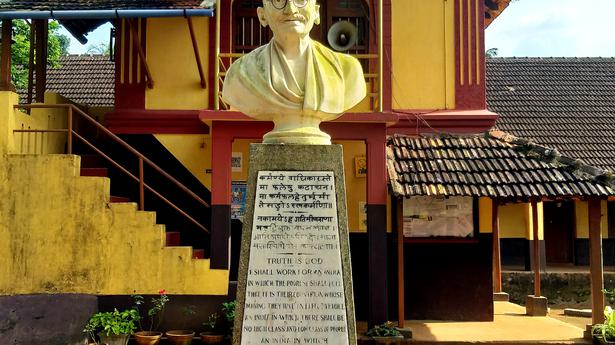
[376,226]
[223,133]
[596,268]
[221,148]
[5,59]
[536,248]
[497,263]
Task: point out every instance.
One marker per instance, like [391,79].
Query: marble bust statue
[293,81]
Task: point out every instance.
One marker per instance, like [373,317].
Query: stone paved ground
[510,326]
[558,313]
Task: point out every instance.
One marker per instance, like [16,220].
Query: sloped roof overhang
[495,165]
[107,14]
[80,21]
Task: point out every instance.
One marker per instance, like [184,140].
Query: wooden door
[559,224]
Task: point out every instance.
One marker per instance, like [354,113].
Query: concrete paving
[510,326]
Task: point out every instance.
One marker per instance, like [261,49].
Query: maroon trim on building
[225,43]
[387,86]
[416,121]
[211,53]
[139,121]
[220,236]
[469,55]
[386,118]
[377,310]
[128,92]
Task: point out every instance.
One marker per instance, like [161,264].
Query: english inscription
[294,286]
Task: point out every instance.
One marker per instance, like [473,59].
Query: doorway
[559,225]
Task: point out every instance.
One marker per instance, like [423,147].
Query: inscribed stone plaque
[294,290]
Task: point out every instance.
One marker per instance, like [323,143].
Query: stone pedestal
[294,284]
[500,297]
[536,306]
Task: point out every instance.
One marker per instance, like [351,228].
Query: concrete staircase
[63,232]
[94,166]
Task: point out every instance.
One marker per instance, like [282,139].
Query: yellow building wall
[193,151]
[514,221]
[59,234]
[356,192]
[582,219]
[423,54]
[485,207]
[172,63]
[7,123]
[242,146]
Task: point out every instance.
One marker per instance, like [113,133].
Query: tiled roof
[493,8]
[46,5]
[493,165]
[565,103]
[84,79]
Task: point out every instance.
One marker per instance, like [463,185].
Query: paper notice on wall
[236,162]
[436,217]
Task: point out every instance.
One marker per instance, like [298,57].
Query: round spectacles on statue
[280,4]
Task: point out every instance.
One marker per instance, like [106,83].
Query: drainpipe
[106,14]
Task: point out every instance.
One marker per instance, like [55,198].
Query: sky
[98,36]
[543,28]
[526,28]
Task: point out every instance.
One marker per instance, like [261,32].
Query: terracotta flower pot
[147,337]
[181,337]
[121,339]
[211,338]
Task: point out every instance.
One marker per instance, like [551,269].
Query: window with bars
[248,34]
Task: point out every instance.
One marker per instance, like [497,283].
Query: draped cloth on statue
[261,83]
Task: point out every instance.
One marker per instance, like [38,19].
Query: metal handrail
[142,159]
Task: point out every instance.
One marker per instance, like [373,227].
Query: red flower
[162,292]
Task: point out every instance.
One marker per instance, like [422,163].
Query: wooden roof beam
[5,58]
[197,56]
[137,44]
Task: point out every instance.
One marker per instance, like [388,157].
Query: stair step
[92,161]
[102,172]
[118,199]
[198,253]
[172,238]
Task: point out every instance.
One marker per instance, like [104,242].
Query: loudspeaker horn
[342,35]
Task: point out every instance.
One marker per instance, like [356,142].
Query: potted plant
[385,333]
[228,308]
[210,336]
[155,313]
[182,337]
[113,327]
[604,333]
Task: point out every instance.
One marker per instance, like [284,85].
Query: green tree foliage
[492,52]
[20,52]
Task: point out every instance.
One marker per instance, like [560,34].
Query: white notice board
[426,216]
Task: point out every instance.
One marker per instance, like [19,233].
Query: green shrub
[112,322]
[606,330]
[386,329]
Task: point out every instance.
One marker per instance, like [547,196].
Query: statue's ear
[260,12]
[317,14]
